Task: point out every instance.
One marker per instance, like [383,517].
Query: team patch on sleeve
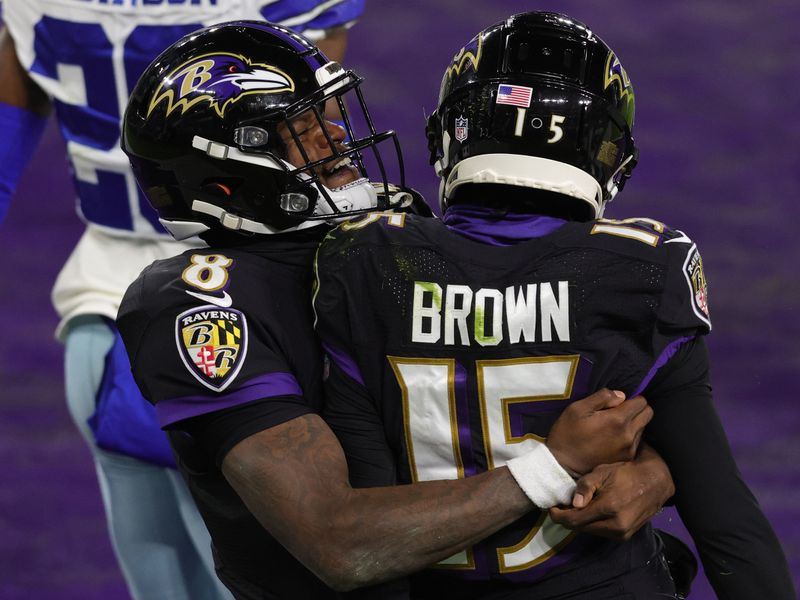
[698,287]
[212,344]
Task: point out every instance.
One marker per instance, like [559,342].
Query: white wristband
[542,479]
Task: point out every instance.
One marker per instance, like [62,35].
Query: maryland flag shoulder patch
[212,343]
[698,286]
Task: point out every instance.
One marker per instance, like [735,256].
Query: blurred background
[718,129]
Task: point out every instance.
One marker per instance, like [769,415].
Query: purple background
[718,95]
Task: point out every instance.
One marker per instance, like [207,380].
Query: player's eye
[303,127]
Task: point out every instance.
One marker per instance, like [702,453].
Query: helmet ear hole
[434,134]
[217,188]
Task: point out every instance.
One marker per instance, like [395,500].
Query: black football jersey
[465,354]
[224,336]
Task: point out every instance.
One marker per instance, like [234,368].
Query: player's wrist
[542,478]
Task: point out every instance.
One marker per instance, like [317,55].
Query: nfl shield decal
[462,128]
[212,343]
[698,287]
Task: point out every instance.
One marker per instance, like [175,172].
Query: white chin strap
[526,171]
[359,195]
[356,196]
[611,185]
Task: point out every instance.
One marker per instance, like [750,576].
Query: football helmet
[536,101]
[209,125]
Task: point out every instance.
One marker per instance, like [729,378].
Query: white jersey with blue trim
[88,54]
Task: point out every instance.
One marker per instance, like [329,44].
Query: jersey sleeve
[351,414]
[203,359]
[684,305]
[741,555]
[349,408]
[682,313]
[313,17]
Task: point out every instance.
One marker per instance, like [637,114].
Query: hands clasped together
[621,483]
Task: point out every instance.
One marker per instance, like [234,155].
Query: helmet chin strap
[357,196]
[611,185]
[237,223]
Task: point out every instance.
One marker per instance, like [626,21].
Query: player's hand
[603,428]
[615,500]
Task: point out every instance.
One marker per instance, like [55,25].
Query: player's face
[309,131]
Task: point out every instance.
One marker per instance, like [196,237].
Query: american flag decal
[515,95]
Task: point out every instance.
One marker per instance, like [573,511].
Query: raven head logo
[624,91]
[468,56]
[220,78]
[615,72]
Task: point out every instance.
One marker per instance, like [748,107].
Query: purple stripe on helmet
[665,355]
[482,224]
[265,386]
[345,363]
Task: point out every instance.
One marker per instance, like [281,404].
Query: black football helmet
[536,101]
[203,133]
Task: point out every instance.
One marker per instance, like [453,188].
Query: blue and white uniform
[87,55]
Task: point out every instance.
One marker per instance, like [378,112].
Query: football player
[227,136]
[461,341]
[82,58]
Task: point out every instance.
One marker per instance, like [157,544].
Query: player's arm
[294,478]
[334,44]
[328,30]
[18,88]
[23,110]
[615,500]
[325,23]
[741,555]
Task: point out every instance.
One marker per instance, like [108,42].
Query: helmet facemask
[265,141]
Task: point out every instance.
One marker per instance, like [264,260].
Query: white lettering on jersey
[457,309]
[210,314]
[484,299]
[526,313]
[521,313]
[427,312]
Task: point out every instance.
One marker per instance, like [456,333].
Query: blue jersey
[88,54]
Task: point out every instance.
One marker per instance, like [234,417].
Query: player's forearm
[386,533]
[18,89]
[293,478]
[334,44]
[741,555]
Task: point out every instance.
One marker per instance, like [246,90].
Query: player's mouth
[339,174]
